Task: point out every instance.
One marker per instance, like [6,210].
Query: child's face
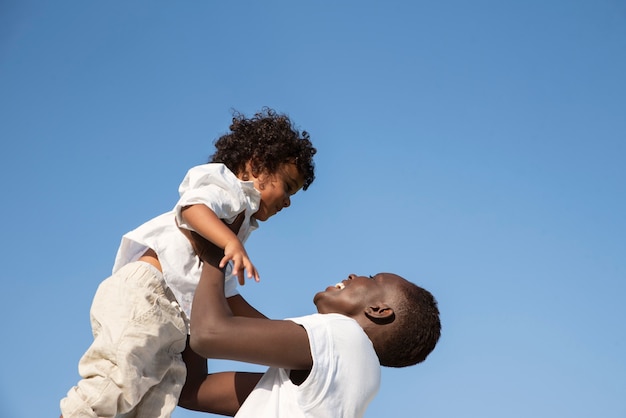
[276,190]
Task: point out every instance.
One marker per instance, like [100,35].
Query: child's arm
[206,223]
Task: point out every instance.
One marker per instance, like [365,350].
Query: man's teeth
[340,285]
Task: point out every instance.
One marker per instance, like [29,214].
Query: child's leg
[139,333]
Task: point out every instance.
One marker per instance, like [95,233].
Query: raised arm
[217,393]
[217,333]
[205,222]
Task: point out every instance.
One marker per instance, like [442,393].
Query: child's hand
[235,251]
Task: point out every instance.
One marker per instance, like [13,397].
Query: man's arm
[217,333]
[240,307]
[217,393]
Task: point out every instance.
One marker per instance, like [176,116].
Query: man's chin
[317,297]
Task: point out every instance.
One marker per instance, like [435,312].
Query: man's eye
[371,277]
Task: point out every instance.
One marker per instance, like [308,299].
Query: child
[140,315]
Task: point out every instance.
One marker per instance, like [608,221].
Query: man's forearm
[240,307]
[210,308]
[219,393]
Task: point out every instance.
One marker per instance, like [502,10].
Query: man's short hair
[417,329]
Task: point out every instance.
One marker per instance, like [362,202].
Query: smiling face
[359,295]
[276,190]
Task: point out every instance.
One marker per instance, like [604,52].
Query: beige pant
[134,366]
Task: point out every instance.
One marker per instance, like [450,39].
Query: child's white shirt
[213,185]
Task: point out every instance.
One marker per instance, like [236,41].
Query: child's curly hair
[267,140]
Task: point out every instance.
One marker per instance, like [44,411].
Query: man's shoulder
[325,318]
[337,326]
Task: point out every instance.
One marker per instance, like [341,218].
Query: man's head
[400,318]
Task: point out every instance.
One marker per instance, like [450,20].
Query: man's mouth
[340,286]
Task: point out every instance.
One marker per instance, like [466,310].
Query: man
[321,365]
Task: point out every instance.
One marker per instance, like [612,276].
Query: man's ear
[380,313]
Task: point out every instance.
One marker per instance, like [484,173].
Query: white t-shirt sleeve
[343,380]
[314,388]
[345,375]
[214,186]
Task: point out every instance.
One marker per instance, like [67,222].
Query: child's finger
[252,271]
[238,271]
[224,261]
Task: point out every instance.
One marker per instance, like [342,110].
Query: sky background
[476,148]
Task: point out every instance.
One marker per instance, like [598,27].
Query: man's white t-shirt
[213,185]
[343,381]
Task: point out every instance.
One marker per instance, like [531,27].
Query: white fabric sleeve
[214,186]
[321,344]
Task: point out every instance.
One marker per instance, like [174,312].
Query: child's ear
[380,313]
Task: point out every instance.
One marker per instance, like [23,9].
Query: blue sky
[476,148]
